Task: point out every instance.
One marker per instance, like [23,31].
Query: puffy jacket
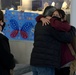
[47,45]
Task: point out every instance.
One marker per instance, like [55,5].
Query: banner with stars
[19,25]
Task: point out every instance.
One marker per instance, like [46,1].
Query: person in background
[66,56]
[46,53]
[7,62]
[59,3]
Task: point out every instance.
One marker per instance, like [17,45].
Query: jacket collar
[1,32]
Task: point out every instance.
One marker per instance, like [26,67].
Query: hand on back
[46,20]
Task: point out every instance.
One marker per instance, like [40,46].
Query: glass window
[34,4]
[9,3]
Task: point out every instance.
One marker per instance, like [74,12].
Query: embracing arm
[44,20]
[60,25]
[38,18]
[64,37]
[54,22]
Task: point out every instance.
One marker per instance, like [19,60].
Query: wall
[21,50]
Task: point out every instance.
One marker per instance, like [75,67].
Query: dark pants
[62,71]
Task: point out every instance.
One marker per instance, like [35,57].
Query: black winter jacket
[6,58]
[47,45]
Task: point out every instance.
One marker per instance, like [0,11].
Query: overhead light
[11,9]
[64,5]
[53,4]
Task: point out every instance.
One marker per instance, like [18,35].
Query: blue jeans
[43,71]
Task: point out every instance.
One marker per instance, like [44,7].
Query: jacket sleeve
[7,59]
[38,18]
[64,37]
[59,25]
